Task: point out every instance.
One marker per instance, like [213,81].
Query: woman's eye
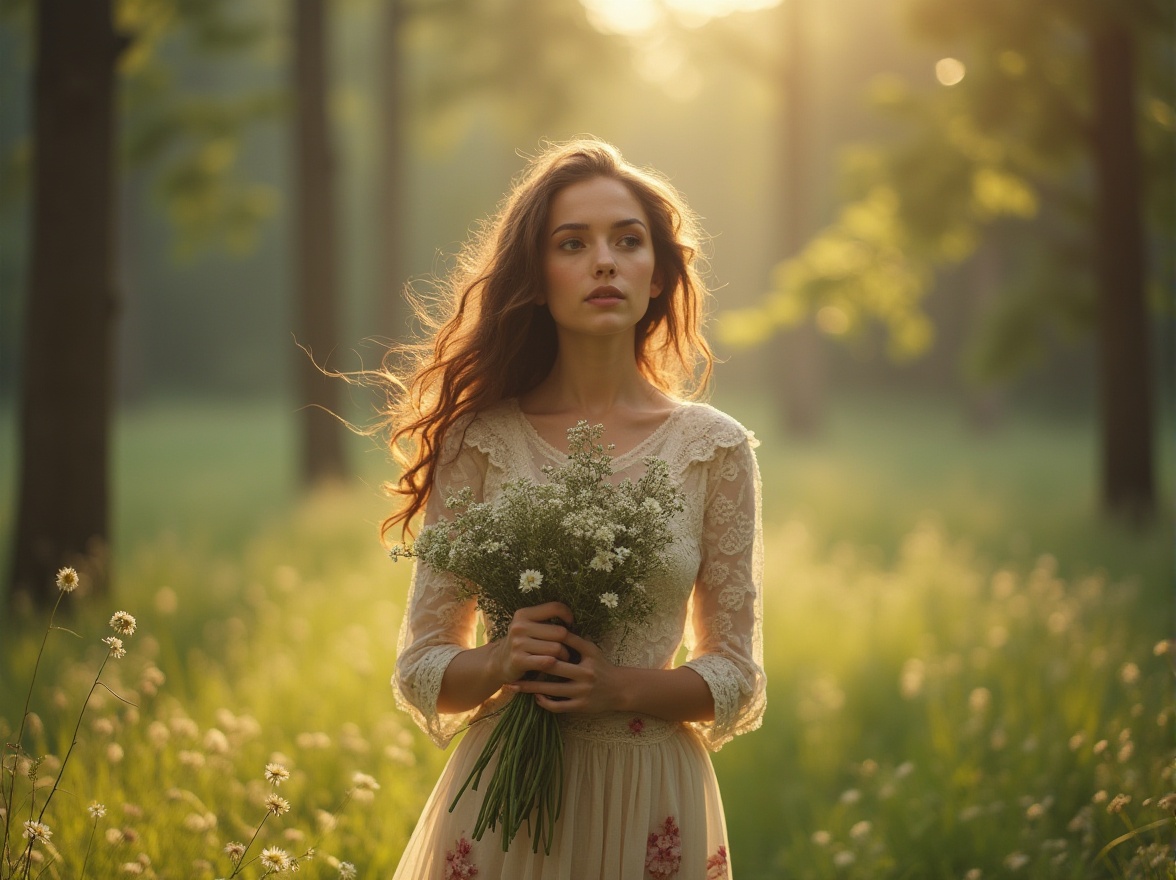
[630,241]
[571,244]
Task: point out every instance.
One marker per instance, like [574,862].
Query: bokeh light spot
[949,71]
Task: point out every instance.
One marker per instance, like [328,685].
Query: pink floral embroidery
[663,855]
[716,865]
[636,726]
[457,863]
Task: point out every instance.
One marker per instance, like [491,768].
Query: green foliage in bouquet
[579,539]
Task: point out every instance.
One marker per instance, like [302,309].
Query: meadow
[970,672]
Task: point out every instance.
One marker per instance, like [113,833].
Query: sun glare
[639,16]
[949,71]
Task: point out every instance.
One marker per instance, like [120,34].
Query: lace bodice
[709,598]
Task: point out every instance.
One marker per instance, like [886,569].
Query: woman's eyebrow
[631,221]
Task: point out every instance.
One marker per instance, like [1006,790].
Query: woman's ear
[656,284]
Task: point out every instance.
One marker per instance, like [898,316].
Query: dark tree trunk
[392,311]
[315,243]
[797,357]
[67,370]
[1124,363]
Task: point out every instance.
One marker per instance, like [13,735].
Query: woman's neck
[593,377]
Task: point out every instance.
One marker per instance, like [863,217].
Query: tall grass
[970,675]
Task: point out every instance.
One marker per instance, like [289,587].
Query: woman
[582,301]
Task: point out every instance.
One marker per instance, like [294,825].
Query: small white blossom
[37,831]
[609,600]
[275,859]
[530,580]
[97,810]
[117,651]
[276,774]
[67,580]
[123,623]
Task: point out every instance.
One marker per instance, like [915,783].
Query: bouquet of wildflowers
[578,539]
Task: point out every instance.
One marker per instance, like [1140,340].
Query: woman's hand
[593,684]
[533,642]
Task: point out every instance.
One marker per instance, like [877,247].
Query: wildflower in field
[364,782]
[609,600]
[851,796]
[67,580]
[860,830]
[135,869]
[1118,802]
[276,805]
[1035,811]
[274,859]
[215,742]
[1015,861]
[117,651]
[1100,746]
[1167,802]
[911,680]
[822,838]
[97,810]
[843,858]
[38,832]
[1129,673]
[346,871]
[114,753]
[325,821]
[114,836]
[235,851]
[123,623]
[276,774]
[191,759]
[602,561]
[530,580]
[973,874]
[1163,647]
[979,700]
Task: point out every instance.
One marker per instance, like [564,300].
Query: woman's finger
[546,611]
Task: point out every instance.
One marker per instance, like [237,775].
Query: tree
[67,370]
[1038,122]
[317,302]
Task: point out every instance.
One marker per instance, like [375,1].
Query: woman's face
[598,261]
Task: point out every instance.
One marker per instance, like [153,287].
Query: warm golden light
[639,16]
[949,71]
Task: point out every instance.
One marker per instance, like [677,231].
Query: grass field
[969,672]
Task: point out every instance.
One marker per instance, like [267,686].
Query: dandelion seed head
[67,580]
[275,859]
[276,805]
[276,774]
[123,624]
[117,651]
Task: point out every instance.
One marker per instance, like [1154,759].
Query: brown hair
[492,342]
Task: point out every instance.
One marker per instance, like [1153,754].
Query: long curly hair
[487,340]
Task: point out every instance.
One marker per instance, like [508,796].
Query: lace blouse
[709,597]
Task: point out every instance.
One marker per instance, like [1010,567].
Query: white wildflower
[530,580]
[37,831]
[123,623]
[117,651]
[609,600]
[67,580]
[276,774]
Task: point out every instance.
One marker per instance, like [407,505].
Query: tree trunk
[1124,365]
[796,357]
[318,307]
[392,311]
[67,364]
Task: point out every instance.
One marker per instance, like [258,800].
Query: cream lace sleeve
[437,624]
[726,647]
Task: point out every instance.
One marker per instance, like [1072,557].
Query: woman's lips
[605,296]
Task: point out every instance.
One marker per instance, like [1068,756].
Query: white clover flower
[275,859]
[117,651]
[276,805]
[37,831]
[123,623]
[276,774]
[530,580]
[67,580]
[609,600]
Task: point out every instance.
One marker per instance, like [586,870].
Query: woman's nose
[606,266]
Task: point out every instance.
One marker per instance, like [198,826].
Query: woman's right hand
[534,641]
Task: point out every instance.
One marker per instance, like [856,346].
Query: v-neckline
[621,461]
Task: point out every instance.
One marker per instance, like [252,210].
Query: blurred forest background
[943,268]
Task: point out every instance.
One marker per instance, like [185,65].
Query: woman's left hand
[592,685]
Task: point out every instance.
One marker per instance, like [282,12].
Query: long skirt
[640,801]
